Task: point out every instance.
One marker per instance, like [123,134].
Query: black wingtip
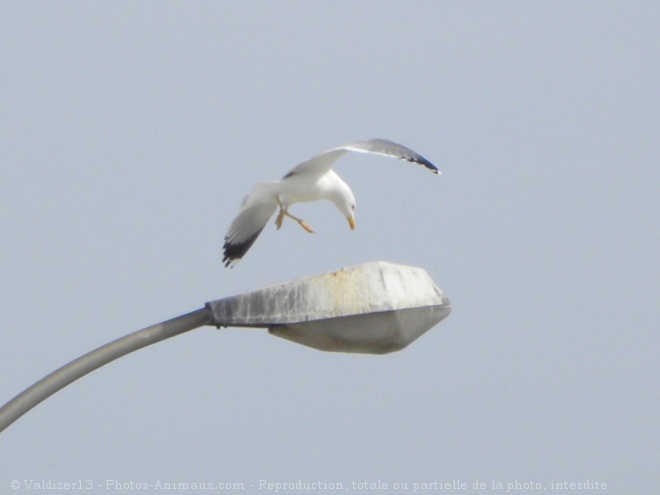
[233,252]
[423,161]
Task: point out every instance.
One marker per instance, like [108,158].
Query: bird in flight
[312,180]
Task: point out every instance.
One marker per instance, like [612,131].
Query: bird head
[344,200]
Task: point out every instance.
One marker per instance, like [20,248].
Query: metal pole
[68,373]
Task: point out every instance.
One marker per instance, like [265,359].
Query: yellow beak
[351,222]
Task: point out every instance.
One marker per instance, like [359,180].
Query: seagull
[312,180]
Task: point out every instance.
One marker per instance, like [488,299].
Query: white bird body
[312,180]
[304,188]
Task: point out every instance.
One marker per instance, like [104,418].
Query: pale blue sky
[132,130]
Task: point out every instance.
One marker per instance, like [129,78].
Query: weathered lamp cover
[373,308]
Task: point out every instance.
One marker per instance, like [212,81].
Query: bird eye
[352,207]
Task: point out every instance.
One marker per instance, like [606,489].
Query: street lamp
[373,308]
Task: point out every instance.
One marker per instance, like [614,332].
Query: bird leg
[300,221]
[280,218]
[285,213]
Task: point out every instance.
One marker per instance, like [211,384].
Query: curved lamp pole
[373,308]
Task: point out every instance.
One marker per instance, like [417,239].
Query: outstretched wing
[256,210]
[320,164]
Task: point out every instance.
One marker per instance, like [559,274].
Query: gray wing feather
[323,162]
[256,210]
[390,148]
[318,164]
